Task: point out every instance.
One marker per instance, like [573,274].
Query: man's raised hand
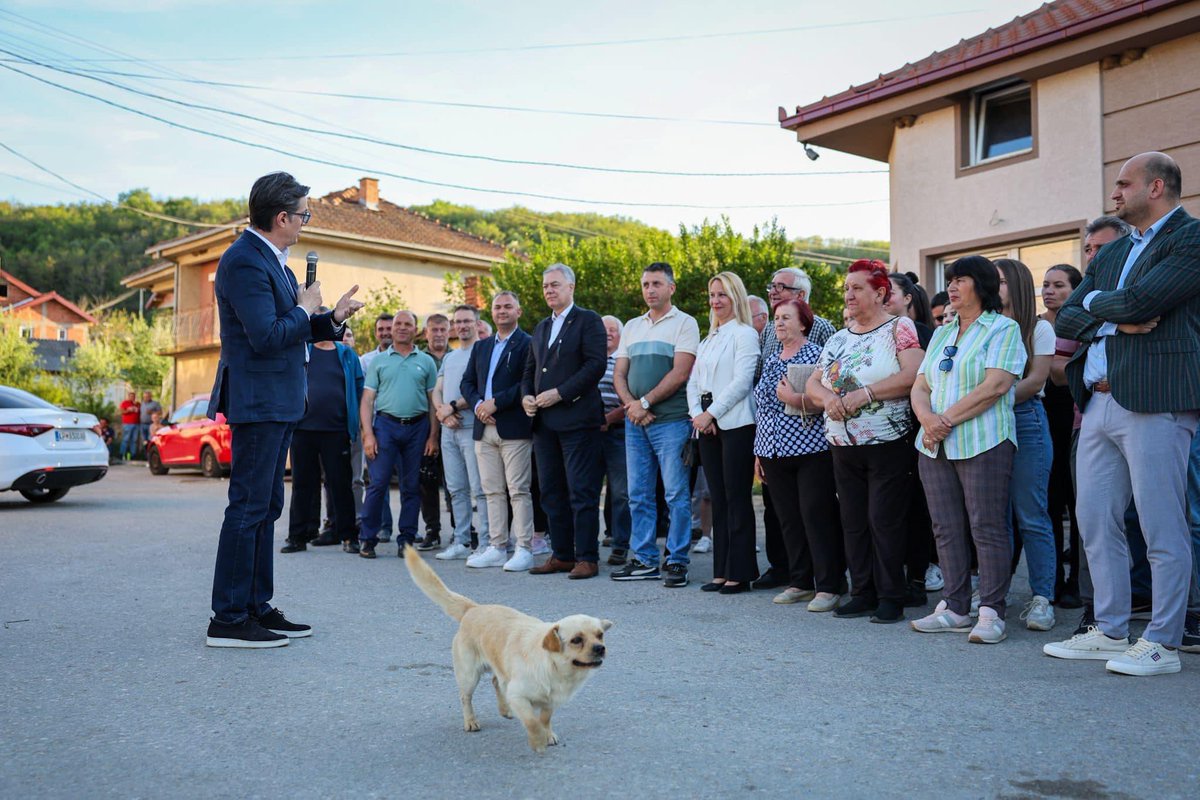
[346,305]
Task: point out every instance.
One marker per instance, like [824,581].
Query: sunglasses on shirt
[947,363]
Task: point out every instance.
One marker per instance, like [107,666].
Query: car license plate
[69,436]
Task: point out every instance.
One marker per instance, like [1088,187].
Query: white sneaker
[942,620]
[1092,644]
[539,546]
[824,601]
[522,560]
[1038,614]
[703,545]
[1145,658]
[989,629]
[454,552]
[934,580]
[492,557]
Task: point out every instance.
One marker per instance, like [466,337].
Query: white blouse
[725,365]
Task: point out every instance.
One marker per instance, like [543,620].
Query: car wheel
[44,495]
[209,464]
[154,462]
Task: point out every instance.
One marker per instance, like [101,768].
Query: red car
[190,439]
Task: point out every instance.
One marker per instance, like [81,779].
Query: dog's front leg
[505,711]
[531,718]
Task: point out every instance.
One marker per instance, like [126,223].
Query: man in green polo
[398,427]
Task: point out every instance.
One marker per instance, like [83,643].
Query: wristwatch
[645,403]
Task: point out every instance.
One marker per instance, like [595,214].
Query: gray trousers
[1125,455]
[969,498]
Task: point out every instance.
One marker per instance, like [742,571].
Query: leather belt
[1102,386]
[403,420]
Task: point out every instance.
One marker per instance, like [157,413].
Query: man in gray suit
[1137,380]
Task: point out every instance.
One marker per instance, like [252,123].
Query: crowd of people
[924,446]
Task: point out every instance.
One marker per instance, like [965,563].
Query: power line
[413,179]
[536,47]
[427,150]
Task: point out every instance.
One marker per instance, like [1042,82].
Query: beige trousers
[505,469]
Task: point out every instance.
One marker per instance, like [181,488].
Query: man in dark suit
[491,387]
[266,318]
[566,361]
[1137,380]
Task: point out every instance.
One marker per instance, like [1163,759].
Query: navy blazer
[573,363]
[511,420]
[262,375]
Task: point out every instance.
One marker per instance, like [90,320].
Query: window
[62,334]
[1001,123]
[1038,255]
[26,331]
[184,413]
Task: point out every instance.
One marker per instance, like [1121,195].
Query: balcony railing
[197,327]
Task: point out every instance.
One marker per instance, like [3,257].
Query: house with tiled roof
[55,324]
[360,238]
[1009,142]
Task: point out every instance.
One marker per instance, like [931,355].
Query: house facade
[1008,143]
[44,316]
[360,238]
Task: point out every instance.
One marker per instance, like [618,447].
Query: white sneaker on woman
[942,620]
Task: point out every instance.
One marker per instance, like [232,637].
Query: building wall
[46,320]
[1154,104]
[194,374]
[934,211]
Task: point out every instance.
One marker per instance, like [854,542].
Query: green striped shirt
[991,342]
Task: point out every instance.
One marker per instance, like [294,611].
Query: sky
[687,60]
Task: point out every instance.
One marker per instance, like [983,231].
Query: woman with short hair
[963,399]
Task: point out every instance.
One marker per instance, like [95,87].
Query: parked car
[188,438]
[46,450]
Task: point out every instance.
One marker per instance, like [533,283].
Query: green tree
[94,368]
[18,362]
[386,299]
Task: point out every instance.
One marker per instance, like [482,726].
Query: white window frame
[62,334]
[26,331]
[979,103]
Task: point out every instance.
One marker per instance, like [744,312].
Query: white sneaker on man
[539,546]
[934,580]
[492,557]
[454,552]
[1038,614]
[1092,645]
[1145,658]
[702,545]
[942,620]
[521,560]
[989,629]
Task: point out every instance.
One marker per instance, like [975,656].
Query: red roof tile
[1049,25]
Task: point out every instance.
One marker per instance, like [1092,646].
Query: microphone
[311,277]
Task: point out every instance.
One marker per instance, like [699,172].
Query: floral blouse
[781,435]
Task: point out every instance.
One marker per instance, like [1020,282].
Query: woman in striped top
[963,398]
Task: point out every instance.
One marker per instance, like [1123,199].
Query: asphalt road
[109,691]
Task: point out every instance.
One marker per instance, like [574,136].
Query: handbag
[690,454]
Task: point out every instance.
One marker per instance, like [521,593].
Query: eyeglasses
[304,216]
[781,287]
[947,363]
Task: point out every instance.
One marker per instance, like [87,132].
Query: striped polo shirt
[650,347]
[991,342]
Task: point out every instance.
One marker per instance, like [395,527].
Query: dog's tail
[428,582]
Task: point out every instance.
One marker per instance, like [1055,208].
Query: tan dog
[536,666]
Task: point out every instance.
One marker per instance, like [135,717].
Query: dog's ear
[605,624]
[552,641]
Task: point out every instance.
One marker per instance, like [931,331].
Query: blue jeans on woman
[1027,495]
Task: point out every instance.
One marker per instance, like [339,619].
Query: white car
[44,449]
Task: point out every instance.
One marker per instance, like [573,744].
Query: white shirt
[725,365]
[556,323]
[282,255]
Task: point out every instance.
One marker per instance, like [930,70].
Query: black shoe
[385,537]
[1087,620]
[247,633]
[734,588]
[618,557]
[276,622]
[1191,634]
[889,611]
[711,587]
[697,534]
[1068,599]
[636,571]
[769,580]
[915,597]
[857,607]
[349,546]
[607,542]
[366,550]
[293,547]
[1139,608]
[326,539]
[430,542]
[327,526]
[401,545]
[677,576]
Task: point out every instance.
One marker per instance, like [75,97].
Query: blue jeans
[400,448]
[129,440]
[1027,495]
[244,577]
[613,441]
[1193,496]
[649,450]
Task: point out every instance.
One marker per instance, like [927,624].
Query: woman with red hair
[863,380]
